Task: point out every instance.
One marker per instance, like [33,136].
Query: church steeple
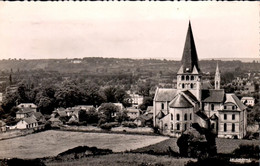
[189,57]
[217,78]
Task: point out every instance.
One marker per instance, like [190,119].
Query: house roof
[180,101]
[132,109]
[214,117]
[31,105]
[189,56]
[30,120]
[85,107]
[149,108]
[247,98]
[231,97]
[163,94]
[25,110]
[213,95]
[52,119]
[145,117]
[37,115]
[160,115]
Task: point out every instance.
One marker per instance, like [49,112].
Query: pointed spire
[189,56]
[217,69]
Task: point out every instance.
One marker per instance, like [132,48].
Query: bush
[247,151]
[108,126]
[129,124]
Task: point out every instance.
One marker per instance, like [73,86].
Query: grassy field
[51,143]
[223,145]
[125,159]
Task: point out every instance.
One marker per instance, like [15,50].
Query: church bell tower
[217,78]
[189,74]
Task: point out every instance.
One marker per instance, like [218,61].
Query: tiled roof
[213,95]
[37,115]
[25,110]
[163,94]
[180,101]
[30,120]
[191,96]
[149,108]
[231,97]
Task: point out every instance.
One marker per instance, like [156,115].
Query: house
[28,105]
[144,120]
[27,123]
[195,101]
[2,126]
[24,112]
[55,121]
[135,99]
[149,110]
[249,101]
[39,117]
[59,112]
[133,112]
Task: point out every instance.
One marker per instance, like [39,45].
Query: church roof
[191,96]
[206,85]
[163,94]
[213,95]
[231,97]
[189,56]
[180,101]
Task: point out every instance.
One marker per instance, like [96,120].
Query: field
[51,143]
[126,159]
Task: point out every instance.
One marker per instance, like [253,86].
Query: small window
[185,127]
[233,127]
[178,116]
[192,78]
[225,127]
[225,107]
[233,116]
[225,116]
[182,77]
[183,86]
[212,107]
[187,78]
[171,116]
[191,86]
[213,125]
[233,107]
[190,116]
[171,126]
[178,126]
[162,106]
[185,116]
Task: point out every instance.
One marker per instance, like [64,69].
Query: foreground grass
[223,145]
[123,159]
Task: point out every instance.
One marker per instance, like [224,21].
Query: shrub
[108,126]
[251,151]
[129,124]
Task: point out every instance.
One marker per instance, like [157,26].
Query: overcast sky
[38,30]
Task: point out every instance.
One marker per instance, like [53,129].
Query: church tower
[189,74]
[217,78]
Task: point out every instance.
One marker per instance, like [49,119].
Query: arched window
[185,116]
[233,116]
[182,77]
[178,117]
[187,78]
[171,116]
[190,116]
[178,126]
[192,78]
[225,116]
[183,86]
[225,127]
[233,127]
[212,107]
[162,106]
[171,126]
[191,86]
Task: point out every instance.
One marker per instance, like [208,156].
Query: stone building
[174,110]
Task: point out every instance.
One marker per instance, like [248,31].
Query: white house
[28,105]
[133,112]
[27,123]
[248,101]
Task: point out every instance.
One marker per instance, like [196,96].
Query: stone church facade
[175,110]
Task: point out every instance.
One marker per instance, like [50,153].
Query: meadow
[53,142]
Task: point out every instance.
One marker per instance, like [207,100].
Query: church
[175,110]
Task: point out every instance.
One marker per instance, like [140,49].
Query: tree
[147,101]
[108,111]
[122,116]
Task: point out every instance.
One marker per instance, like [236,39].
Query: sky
[42,30]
